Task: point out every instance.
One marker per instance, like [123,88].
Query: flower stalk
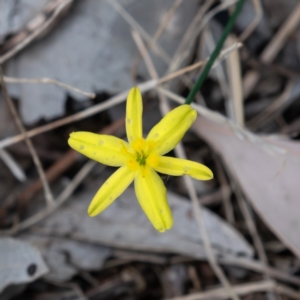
[215,53]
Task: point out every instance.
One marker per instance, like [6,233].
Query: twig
[63,164]
[13,166]
[257,266]
[204,234]
[190,35]
[36,160]
[235,83]
[48,81]
[252,229]
[224,53]
[169,15]
[158,33]
[215,197]
[150,67]
[272,49]
[242,289]
[265,116]
[136,26]
[165,108]
[66,193]
[255,22]
[35,33]
[224,189]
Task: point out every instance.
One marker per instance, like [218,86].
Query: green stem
[216,53]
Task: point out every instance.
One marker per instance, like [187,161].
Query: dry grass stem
[195,29]
[150,67]
[225,187]
[276,106]
[137,27]
[187,38]
[167,18]
[48,81]
[254,23]
[66,193]
[12,165]
[36,160]
[242,290]
[59,9]
[272,49]
[235,83]
[250,223]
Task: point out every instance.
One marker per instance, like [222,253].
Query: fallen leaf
[20,263]
[267,171]
[65,257]
[124,225]
[91,49]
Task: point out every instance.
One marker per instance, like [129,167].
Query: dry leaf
[19,262]
[125,225]
[268,174]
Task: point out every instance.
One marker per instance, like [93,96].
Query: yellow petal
[152,196]
[105,149]
[134,110]
[177,167]
[171,129]
[112,188]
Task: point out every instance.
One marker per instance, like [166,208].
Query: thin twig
[194,30]
[245,209]
[235,83]
[150,67]
[48,81]
[35,33]
[62,165]
[168,16]
[242,289]
[276,106]
[255,22]
[13,166]
[66,193]
[273,48]
[224,189]
[136,26]
[36,160]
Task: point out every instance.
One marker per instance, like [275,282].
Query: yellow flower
[140,159]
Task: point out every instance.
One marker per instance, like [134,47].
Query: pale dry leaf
[15,14]
[20,262]
[267,172]
[66,257]
[125,225]
[91,49]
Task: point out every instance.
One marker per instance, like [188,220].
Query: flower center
[142,155]
[141,158]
